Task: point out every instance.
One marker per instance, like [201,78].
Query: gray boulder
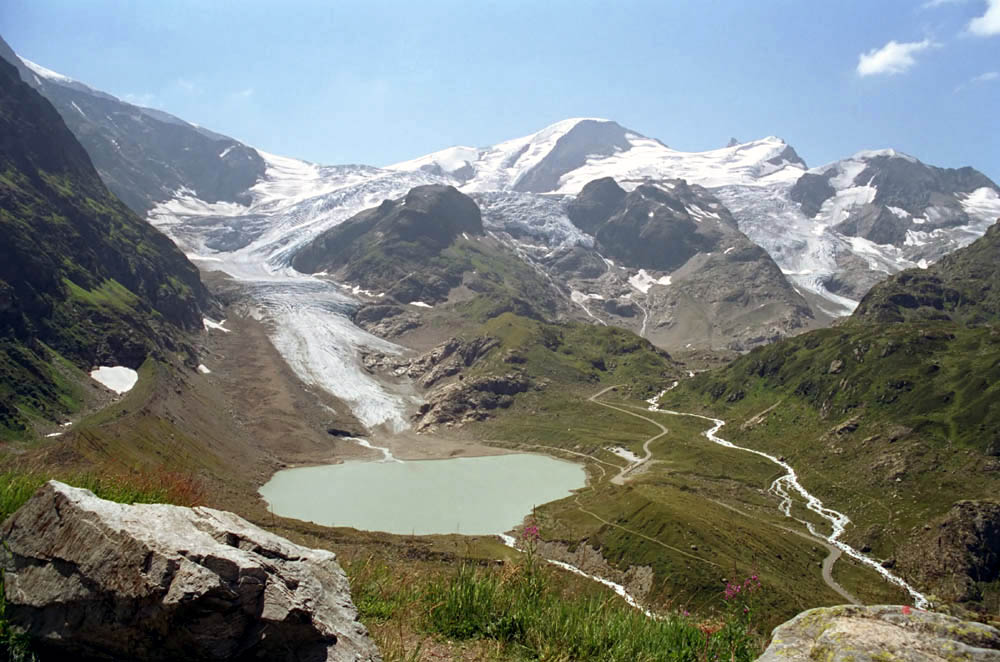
[880,633]
[92,579]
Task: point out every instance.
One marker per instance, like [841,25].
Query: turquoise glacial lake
[467,495]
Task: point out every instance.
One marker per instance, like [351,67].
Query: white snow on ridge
[867,154]
[46,73]
[499,167]
[745,164]
[448,160]
[117,378]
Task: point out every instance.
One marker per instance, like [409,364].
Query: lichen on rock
[883,633]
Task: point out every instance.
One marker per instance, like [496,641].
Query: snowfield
[117,378]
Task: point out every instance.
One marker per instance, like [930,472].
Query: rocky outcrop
[386,320]
[700,282]
[653,227]
[470,400]
[957,553]
[446,360]
[91,579]
[880,633]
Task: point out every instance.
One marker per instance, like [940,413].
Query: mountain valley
[584,292]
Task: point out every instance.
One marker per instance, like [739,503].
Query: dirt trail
[621,476]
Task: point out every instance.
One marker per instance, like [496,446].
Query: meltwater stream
[783,488]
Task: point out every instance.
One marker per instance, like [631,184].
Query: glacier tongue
[309,316]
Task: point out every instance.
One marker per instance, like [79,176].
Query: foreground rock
[92,579]
[862,634]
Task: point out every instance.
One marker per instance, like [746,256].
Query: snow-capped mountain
[564,157]
[834,230]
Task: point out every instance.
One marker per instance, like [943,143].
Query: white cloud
[987,25]
[987,77]
[931,4]
[245,93]
[893,58]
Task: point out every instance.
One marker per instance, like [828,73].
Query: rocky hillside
[653,227]
[961,287]
[429,248]
[82,278]
[884,196]
[145,156]
[392,246]
[700,282]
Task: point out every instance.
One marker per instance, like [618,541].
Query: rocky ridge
[452,402]
[145,156]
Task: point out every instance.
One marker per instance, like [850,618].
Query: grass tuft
[519,609]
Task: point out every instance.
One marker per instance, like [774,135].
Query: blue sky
[379,82]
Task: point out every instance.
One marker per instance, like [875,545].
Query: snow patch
[642,281]
[218,326]
[421,304]
[624,453]
[203,369]
[117,378]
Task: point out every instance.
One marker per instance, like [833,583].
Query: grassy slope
[889,424]
[656,519]
[82,279]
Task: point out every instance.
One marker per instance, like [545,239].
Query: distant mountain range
[832,231]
